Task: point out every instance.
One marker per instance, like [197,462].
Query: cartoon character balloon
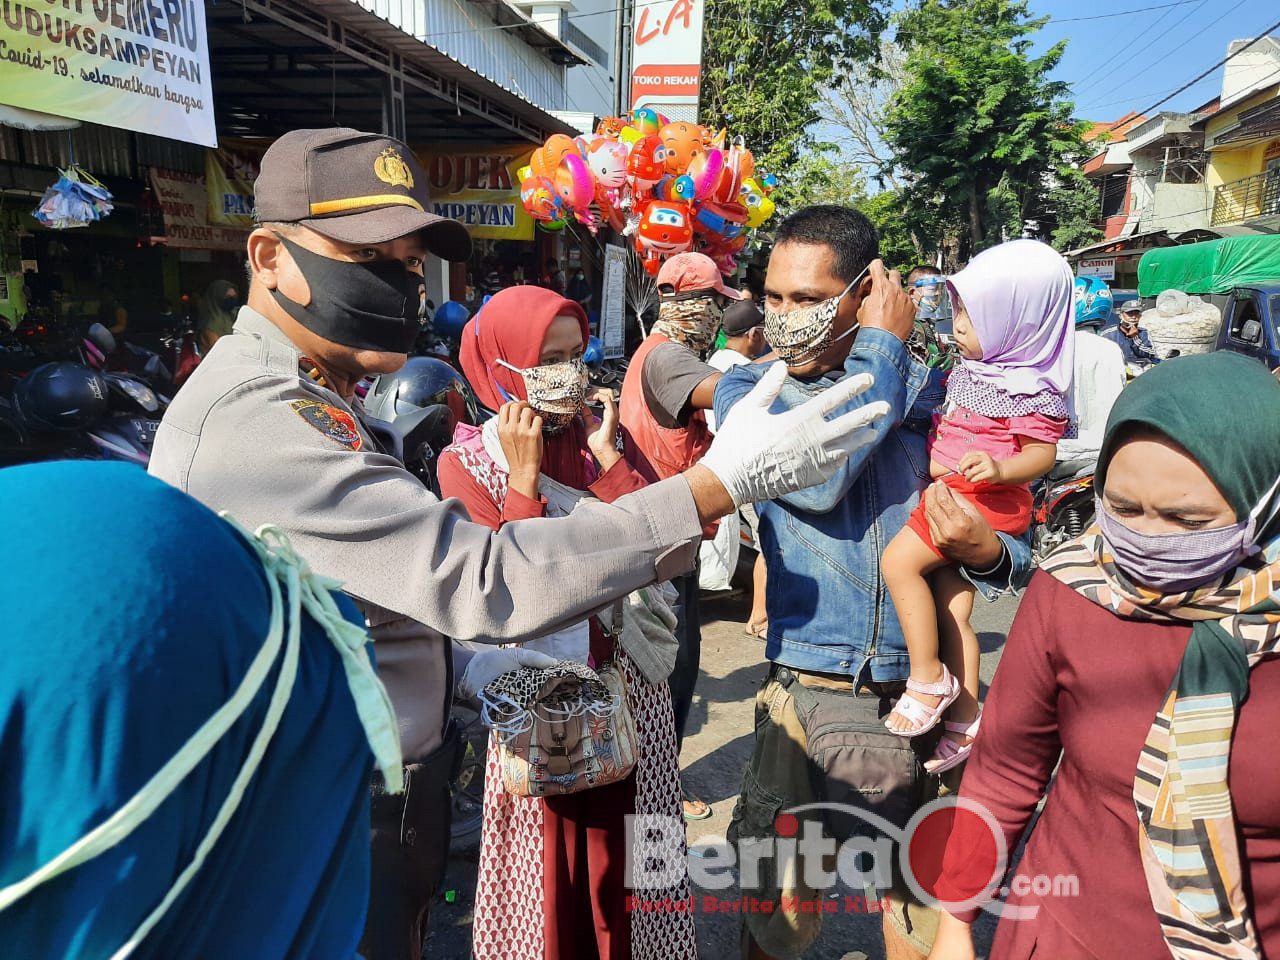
[610,127]
[647,163]
[759,207]
[607,161]
[683,141]
[675,188]
[665,228]
[539,196]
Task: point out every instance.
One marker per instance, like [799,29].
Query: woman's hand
[603,440]
[979,467]
[520,433]
[954,940]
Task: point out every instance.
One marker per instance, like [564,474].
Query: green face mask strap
[305,589]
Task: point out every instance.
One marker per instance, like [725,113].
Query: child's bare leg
[958,640]
[907,563]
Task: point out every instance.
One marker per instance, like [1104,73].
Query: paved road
[716,750]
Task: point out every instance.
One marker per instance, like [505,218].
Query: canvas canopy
[1216,266]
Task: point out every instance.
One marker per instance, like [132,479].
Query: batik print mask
[801,335]
[555,390]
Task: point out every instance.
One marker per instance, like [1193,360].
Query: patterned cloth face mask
[555,390]
[804,334]
[691,318]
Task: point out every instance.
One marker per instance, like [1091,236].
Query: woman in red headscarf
[552,881]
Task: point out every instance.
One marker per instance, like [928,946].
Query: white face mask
[801,335]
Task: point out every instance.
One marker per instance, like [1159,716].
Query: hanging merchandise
[667,187]
[76,200]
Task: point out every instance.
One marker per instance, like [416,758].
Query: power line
[1262,36]
[1110,54]
[1149,43]
[1121,13]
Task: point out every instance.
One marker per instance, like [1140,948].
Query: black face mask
[229,304]
[369,306]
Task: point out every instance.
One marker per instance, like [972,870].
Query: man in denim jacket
[832,625]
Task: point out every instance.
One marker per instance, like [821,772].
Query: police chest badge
[337,425]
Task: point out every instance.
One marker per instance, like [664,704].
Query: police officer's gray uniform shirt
[249,434]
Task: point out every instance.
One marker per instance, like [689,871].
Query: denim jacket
[829,609]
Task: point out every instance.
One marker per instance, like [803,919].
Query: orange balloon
[683,141]
[546,159]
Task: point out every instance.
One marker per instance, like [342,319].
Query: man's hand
[520,433]
[959,531]
[758,455]
[978,467]
[887,307]
[487,665]
[603,440]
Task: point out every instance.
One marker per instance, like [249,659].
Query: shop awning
[1260,123]
[1102,245]
[281,65]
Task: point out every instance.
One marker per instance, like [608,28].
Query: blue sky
[1126,63]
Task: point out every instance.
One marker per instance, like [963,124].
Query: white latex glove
[487,665]
[759,455]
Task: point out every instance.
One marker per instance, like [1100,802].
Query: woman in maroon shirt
[1142,666]
[551,882]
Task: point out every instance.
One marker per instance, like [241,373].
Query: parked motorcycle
[62,411]
[1063,508]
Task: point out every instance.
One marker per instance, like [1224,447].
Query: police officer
[268,429]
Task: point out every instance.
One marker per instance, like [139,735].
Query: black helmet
[421,382]
[61,396]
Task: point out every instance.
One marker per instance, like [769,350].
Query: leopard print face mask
[555,390]
[691,319]
[802,335]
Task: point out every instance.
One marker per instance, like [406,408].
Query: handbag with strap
[562,729]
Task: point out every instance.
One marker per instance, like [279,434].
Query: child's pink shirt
[962,431]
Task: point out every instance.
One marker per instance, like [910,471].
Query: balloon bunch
[667,186]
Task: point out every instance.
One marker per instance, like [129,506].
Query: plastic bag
[76,200]
[1181,323]
[1172,303]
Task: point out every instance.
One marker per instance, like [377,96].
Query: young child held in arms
[1005,410]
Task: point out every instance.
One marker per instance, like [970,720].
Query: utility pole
[622,56]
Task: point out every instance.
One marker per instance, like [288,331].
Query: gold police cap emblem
[391,168]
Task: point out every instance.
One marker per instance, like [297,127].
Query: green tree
[980,133]
[897,247]
[1076,206]
[765,64]
[823,177]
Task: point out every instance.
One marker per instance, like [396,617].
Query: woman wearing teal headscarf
[1143,666]
[186,715]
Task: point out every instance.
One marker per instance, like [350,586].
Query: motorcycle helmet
[450,318]
[593,356]
[1093,302]
[422,382]
[61,396]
